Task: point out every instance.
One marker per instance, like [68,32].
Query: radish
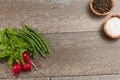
[25,55]
[16,68]
[28,60]
[27,67]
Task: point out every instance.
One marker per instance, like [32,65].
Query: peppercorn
[102,6]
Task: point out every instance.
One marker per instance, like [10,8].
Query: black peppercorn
[102,6]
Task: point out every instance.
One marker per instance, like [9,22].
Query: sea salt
[113,26]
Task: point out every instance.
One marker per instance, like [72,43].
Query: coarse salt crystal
[113,26]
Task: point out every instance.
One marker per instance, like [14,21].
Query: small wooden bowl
[99,14]
[105,30]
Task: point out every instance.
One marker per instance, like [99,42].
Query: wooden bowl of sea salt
[112,26]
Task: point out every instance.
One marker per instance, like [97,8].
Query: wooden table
[80,49]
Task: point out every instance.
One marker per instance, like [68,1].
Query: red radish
[25,55]
[27,60]
[16,68]
[27,67]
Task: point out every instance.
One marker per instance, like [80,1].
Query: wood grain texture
[52,16]
[41,78]
[100,77]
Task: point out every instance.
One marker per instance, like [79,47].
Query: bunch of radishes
[17,67]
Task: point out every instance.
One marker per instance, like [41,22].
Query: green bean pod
[37,45]
[40,37]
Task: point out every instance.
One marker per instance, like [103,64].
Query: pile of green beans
[35,40]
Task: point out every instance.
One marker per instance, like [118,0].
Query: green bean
[36,37]
[40,37]
[38,46]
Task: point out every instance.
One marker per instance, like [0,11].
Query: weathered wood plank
[52,16]
[99,77]
[41,78]
[85,53]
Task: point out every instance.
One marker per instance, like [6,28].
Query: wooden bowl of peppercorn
[101,7]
